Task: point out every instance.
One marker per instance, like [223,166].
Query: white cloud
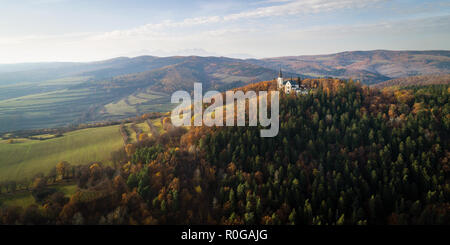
[397,27]
[288,7]
[301,7]
[158,29]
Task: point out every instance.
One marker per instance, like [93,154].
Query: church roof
[280,74]
[291,81]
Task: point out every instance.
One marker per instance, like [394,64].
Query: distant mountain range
[37,95]
[368,66]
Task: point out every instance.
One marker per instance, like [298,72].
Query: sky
[88,30]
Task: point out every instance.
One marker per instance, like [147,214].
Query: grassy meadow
[20,199]
[24,158]
[24,198]
[157,124]
[145,130]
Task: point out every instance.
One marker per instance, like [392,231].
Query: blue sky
[81,30]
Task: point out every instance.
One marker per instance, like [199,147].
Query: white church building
[290,85]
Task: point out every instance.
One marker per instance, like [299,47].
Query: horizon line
[223,56]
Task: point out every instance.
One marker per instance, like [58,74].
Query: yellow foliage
[130,148]
[198,189]
[94,166]
[150,221]
[315,172]
[126,167]
[38,183]
[392,111]
[143,137]
[404,96]
[231,168]
[61,169]
[417,107]
[166,120]
[175,184]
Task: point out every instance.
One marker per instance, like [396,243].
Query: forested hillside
[345,154]
[416,80]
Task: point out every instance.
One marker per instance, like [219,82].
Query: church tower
[280,80]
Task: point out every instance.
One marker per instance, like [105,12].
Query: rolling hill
[416,80]
[212,72]
[43,95]
[117,88]
[368,66]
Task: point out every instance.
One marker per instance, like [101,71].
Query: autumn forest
[346,154]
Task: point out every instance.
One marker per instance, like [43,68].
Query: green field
[26,158]
[68,106]
[144,127]
[158,125]
[132,136]
[24,198]
[43,136]
[21,199]
[46,110]
[67,189]
[138,104]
